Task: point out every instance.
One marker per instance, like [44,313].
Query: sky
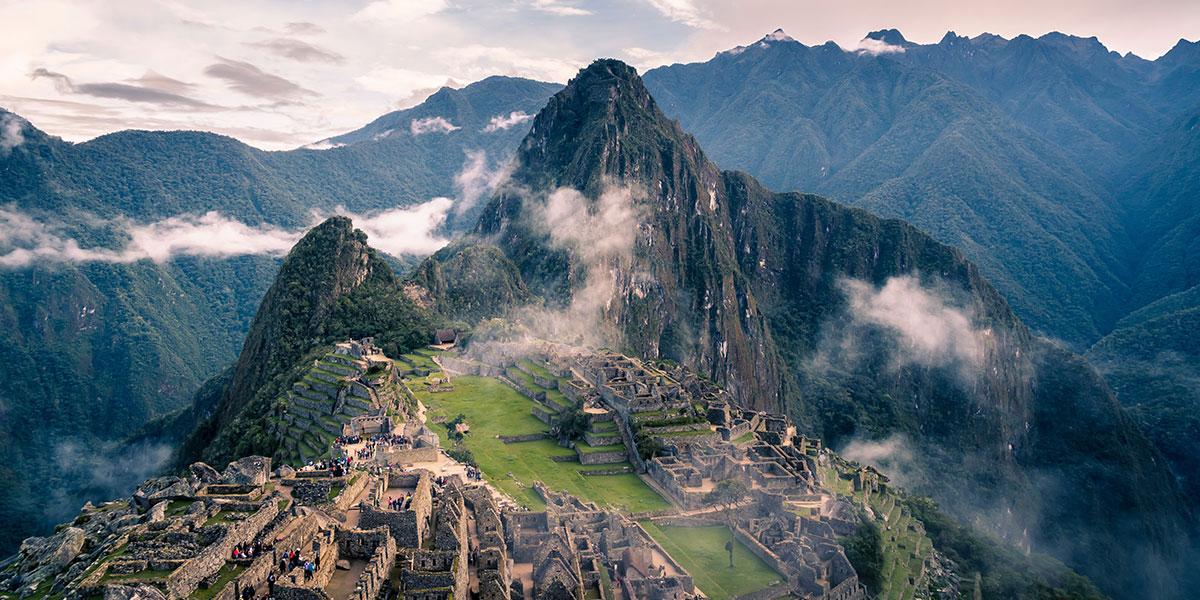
[278,74]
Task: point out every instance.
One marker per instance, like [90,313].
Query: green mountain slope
[771,294]
[1152,362]
[90,352]
[331,287]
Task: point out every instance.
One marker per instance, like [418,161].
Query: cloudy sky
[281,73]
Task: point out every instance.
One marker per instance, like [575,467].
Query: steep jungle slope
[331,287]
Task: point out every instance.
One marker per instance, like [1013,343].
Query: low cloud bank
[931,331]
[432,124]
[408,230]
[25,240]
[501,122]
[874,47]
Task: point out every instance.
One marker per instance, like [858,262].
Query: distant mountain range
[1068,173]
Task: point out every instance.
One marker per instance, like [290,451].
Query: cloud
[253,81]
[893,456]
[158,81]
[600,236]
[500,122]
[299,50]
[408,230]
[10,133]
[475,180]
[429,124]
[303,28]
[207,235]
[322,145]
[25,240]
[930,331]
[557,7]
[86,471]
[874,47]
[399,10]
[119,91]
[683,11]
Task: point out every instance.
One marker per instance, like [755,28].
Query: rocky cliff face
[859,327]
[612,207]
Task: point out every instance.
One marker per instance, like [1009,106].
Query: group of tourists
[337,467]
[474,474]
[292,560]
[249,550]
[400,503]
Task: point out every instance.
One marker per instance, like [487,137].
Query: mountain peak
[778,36]
[330,260]
[891,37]
[594,129]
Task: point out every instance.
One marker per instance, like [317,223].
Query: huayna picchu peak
[535,341]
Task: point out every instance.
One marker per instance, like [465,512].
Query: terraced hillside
[337,389]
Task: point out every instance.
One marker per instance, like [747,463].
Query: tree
[574,424]
[726,494]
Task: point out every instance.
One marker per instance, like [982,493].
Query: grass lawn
[746,437]
[701,550]
[228,572]
[492,408]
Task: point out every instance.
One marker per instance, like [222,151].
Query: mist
[910,324]
[98,472]
[599,235]
[10,133]
[26,240]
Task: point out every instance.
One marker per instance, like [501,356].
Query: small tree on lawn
[727,494]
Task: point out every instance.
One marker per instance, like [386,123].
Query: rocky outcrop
[133,592]
[204,473]
[250,470]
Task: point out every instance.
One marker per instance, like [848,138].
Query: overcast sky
[281,73]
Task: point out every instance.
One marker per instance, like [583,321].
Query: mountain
[620,219]
[92,351]
[906,141]
[1162,204]
[157,174]
[1152,361]
[331,287]
[88,353]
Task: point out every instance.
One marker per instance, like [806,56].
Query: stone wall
[184,580]
[602,458]
[353,490]
[765,554]
[407,456]
[529,437]
[523,389]
[768,593]
[298,592]
[408,527]
[601,472]
[313,492]
[373,577]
